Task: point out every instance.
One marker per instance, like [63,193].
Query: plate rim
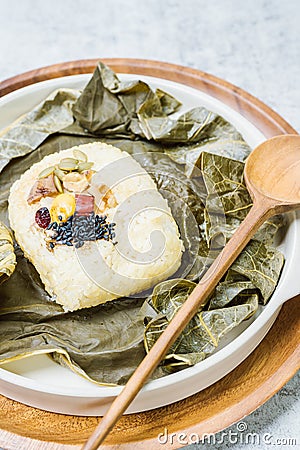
[229,94]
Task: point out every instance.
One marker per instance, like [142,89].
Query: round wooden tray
[260,376]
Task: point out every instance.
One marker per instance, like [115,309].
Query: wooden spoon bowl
[273,170]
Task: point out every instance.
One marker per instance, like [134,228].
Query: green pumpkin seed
[69,160]
[85,166]
[80,155]
[59,173]
[46,172]
[68,164]
[58,184]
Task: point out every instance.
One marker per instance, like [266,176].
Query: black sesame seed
[78,229]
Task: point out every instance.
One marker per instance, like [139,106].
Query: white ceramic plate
[39,382]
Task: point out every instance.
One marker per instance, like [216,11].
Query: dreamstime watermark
[240,435]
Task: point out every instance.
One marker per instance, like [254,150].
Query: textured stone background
[254,45]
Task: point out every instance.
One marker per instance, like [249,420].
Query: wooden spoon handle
[197,299]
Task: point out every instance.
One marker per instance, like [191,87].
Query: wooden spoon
[272,175]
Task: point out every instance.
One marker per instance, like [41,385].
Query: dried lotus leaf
[7,255]
[28,132]
[202,334]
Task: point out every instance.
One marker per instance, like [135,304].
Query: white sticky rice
[148,251]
